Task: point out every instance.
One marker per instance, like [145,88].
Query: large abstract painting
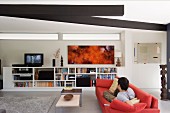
[90,54]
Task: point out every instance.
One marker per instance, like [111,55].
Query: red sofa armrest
[154,103]
[142,95]
[103,83]
[122,106]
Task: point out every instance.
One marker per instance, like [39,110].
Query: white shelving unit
[106,72]
[59,77]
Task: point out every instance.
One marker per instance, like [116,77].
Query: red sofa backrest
[143,96]
[105,83]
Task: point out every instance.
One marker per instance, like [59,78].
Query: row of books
[65,77]
[70,84]
[44,84]
[67,84]
[108,76]
[71,70]
[85,70]
[60,83]
[23,84]
[62,70]
[106,70]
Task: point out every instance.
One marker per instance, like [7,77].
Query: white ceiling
[135,10]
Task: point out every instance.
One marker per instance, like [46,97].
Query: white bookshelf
[26,77]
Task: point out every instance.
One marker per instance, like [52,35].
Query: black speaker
[61,61]
[53,62]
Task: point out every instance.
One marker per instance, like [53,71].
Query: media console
[55,77]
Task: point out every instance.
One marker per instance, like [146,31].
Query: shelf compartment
[70,84]
[44,74]
[22,80]
[71,70]
[65,77]
[44,84]
[61,70]
[21,77]
[106,70]
[23,84]
[60,83]
[22,70]
[85,70]
[106,76]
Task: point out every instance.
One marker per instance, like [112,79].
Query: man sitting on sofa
[125,92]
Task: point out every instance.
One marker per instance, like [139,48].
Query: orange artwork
[90,54]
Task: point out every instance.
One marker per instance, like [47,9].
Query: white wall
[142,75]
[13,50]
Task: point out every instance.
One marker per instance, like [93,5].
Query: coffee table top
[74,102]
[71,91]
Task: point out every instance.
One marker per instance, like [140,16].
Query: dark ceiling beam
[81,14]
[97,21]
[64,10]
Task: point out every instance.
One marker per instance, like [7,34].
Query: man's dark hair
[124,83]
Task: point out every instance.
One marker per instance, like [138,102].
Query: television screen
[90,54]
[34,59]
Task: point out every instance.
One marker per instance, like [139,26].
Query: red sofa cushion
[103,83]
[143,96]
[100,90]
[99,94]
[118,105]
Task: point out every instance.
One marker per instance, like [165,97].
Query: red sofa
[148,103]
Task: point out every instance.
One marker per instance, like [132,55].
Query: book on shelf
[62,77]
[58,77]
[16,77]
[65,77]
[92,83]
[65,70]
[71,78]
[113,70]
[71,70]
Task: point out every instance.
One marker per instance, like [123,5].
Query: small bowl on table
[68,97]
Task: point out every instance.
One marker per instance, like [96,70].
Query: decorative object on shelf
[56,55]
[118,55]
[61,61]
[53,62]
[163,72]
[68,97]
[36,74]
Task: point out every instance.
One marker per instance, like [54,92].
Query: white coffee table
[74,102]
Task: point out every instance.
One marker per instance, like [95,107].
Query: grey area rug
[26,104]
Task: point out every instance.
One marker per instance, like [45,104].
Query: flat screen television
[90,54]
[33,59]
